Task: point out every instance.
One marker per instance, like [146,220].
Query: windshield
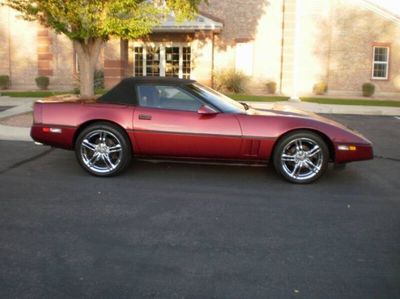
[217,99]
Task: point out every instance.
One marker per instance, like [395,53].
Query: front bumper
[360,153]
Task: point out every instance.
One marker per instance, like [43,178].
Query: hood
[288,111]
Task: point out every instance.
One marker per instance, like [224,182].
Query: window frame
[163,57]
[387,63]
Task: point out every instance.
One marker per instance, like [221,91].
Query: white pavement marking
[397,117]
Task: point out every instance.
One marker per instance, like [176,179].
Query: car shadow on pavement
[61,163]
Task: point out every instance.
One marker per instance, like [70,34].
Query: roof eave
[381,11]
[177,29]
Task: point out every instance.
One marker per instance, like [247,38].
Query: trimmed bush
[230,80]
[271,87]
[320,88]
[42,82]
[368,89]
[98,80]
[4,82]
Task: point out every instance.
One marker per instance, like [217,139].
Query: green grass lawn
[31,94]
[40,93]
[360,102]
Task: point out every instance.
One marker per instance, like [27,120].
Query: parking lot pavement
[383,131]
[166,230]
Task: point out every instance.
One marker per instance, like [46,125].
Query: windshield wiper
[246,106]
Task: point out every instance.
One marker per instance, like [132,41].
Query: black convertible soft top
[124,92]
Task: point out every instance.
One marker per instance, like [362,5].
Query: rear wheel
[301,157]
[103,149]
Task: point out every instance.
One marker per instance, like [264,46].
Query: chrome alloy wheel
[101,151]
[302,159]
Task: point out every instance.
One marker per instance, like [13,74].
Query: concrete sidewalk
[24,105]
[20,106]
[15,133]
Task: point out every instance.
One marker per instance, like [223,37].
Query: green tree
[90,23]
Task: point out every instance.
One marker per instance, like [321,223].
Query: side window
[167,97]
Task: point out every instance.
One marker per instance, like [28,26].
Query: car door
[167,123]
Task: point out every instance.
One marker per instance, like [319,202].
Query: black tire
[301,157]
[103,149]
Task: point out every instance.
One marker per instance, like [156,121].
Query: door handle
[145,116]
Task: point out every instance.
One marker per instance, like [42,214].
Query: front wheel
[301,157]
[103,149]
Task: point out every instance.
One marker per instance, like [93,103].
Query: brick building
[295,43]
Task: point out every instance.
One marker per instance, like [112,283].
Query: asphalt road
[165,230]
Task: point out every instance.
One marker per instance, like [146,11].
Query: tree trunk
[88,55]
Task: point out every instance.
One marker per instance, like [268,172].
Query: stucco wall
[311,46]
[257,22]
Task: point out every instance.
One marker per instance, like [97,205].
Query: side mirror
[206,110]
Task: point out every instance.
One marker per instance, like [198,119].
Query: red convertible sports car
[182,119]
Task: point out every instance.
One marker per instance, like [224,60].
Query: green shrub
[271,87]
[320,88]
[368,89]
[4,82]
[230,80]
[42,82]
[76,90]
[98,80]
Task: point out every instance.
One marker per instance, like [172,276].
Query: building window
[138,62]
[163,60]
[172,61]
[380,63]
[186,62]
[153,62]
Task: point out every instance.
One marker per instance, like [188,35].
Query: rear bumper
[57,136]
[362,152]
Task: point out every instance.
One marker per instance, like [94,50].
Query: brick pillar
[44,52]
[115,62]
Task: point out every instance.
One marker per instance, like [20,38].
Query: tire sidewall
[287,139]
[125,144]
